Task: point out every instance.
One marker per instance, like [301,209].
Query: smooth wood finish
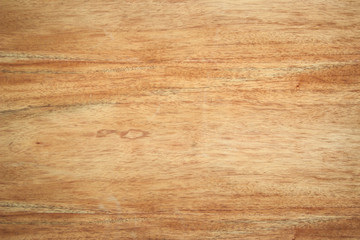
[175,119]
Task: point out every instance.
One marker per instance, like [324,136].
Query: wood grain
[179,119]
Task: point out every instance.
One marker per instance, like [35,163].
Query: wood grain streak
[180,119]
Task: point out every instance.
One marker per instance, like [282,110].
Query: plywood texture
[179,119]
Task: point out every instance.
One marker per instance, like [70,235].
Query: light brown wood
[175,119]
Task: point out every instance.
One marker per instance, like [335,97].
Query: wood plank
[179,119]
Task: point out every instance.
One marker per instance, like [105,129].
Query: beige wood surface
[176,119]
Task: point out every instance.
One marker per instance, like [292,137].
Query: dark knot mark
[129,134]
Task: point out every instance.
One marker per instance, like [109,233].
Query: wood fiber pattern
[179,119]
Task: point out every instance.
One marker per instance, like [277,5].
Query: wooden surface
[175,119]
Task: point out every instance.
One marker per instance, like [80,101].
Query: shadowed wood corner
[180,119]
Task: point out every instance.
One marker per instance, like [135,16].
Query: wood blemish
[130,134]
[104,132]
[134,134]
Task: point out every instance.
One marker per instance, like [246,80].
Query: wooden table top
[179,119]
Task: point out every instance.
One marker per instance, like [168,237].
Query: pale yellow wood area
[175,119]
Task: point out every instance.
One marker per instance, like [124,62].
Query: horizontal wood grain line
[64,106]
